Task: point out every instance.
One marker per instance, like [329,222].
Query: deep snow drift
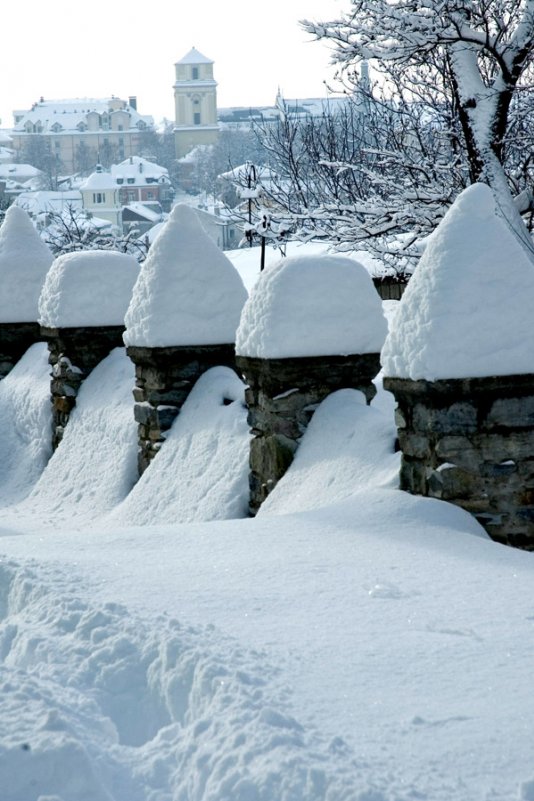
[352,643]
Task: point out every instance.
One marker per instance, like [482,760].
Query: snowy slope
[351,643]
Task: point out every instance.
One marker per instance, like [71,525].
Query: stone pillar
[282,395]
[164,379]
[73,353]
[471,442]
[15,339]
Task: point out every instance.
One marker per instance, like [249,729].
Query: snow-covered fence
[181,322]
[459,360]
[24,262]
[81,308]
[312,325]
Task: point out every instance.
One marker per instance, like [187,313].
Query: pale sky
[65,49]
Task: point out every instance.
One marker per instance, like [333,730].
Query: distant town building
[136,182]
[82,130]
[195,100]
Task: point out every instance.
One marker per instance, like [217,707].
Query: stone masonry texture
[281,396]
[15,339]
[164,378]
[471,442]
[73,353]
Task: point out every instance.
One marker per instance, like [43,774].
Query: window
[150,195]
[131,180]
[195,73]
[196,118]
[99,197]
[132,194]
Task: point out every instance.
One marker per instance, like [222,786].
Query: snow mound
[25,424]
[24,263]
[99,704]
[188,292]
[88,288]
[467,311]
[347,447]
[95,465]
[312,306]
[201,472]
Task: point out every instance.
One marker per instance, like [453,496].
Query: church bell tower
[195,101]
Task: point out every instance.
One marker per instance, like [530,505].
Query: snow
[87,288]
[206,453]
[467,309]
[25,424]
[350,643]
[95,465]
[312,306]
[188,292]
[24,263]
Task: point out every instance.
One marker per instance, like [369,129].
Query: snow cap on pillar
[24,263]
[88,288]
[467,310]
[312,306]
[188,292]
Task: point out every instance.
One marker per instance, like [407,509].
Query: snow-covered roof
[135,171]
[188,292]
[144,210]
[467,310]
[194,57]
[141,169]
[6,154]
[312,306]
[99,180]
[310,106]
[68,114]
[18,172]
[87,288]
[24,263]
[42,201]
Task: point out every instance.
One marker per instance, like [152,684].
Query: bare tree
[38,152]
[73,230]
[471,56]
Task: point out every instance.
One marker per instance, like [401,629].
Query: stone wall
[390,287]
[282,395]
[164,378]
[15,339]
[73,353]
[471,442]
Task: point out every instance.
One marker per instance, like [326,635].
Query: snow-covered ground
[351,643]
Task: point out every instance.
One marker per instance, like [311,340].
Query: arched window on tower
[196,112]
